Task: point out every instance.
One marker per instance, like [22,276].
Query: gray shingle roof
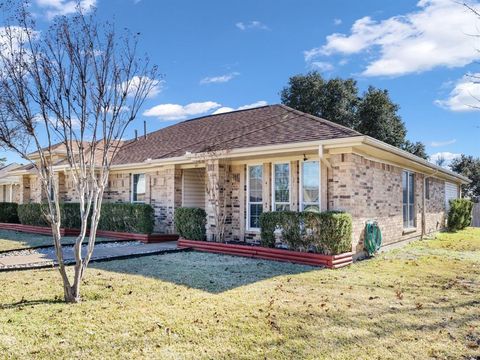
[262,126]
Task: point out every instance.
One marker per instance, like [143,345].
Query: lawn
[12,240]
[421,301]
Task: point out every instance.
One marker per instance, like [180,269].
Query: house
[9,184]
[271,158]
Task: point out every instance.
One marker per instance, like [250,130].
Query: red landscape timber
[44,230]
[329,261]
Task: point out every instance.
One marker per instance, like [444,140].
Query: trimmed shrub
[125,217]
[460,214]
[33,214]
[190,223]
[133,218]
[335,232]
[269,222]
[328,232]
[9,212]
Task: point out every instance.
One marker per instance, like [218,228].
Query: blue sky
[223,55]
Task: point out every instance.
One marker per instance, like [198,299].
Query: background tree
[77,84]
[338,100]
[470,167]
[3,161]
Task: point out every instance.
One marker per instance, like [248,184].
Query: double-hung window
[310,186]
[255,197]
[281,187]
[408,186]
[138,188]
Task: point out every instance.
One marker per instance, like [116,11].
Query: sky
[216,56]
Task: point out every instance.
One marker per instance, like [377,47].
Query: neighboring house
[9,184]
[271,158]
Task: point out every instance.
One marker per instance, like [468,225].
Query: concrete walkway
[32,258]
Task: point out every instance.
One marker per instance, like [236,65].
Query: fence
[476,215]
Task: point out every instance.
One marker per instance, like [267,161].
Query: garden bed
[45,230]
[258,252]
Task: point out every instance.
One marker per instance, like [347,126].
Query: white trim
[300,184]
[289,203]
[247,223]
[414,225]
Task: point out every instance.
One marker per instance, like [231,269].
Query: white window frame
[408,225]
[300,185]
[132,188]
[289,203]
[248,196]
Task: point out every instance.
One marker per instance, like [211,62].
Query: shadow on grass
[208,272]
[25,303]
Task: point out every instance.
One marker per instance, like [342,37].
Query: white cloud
[169,112]
[225,109]
[322,66]
[157,85]
[252,25]
[442,143]
[219,79]
[446,156]
[64,7]
[436,35]
[465,96]
[337,22]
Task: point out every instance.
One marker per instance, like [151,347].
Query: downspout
[424,211]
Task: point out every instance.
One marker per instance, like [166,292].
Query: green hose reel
[373,237]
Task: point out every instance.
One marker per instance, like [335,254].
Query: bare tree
[79,86]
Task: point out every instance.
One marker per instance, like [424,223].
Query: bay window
[281,187]
[138,188]
[255,196]
[408,187]
[310,186]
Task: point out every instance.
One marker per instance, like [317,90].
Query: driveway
[34,258]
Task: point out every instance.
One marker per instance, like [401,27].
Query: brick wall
[371,190]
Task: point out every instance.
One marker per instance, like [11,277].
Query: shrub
[125,217]
[335,232]
[460,214]
[190,223]
[269,222]
[8,212]
[329,232]
[33,214]
[134,218]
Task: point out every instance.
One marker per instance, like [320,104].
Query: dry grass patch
[198,305]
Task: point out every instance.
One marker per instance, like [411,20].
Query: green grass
[410,303]
[11,240]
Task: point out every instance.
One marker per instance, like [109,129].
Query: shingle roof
[266,125]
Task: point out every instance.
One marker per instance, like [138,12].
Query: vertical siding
[193,194]
[451,192]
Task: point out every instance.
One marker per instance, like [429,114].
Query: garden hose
[373,237]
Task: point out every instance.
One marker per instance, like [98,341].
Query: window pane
[310,182]
[411,188]
[405,187]
[282,182]
[139,187]
[255,212]
[313,208]
[282,207]
[255,183]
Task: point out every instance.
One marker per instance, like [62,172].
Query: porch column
[217,199]
[267,187]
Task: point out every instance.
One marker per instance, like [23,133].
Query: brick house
[271,158]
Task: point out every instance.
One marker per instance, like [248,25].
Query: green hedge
[328,232]
[9,212]
[190,223]
[133,218]
[460,214]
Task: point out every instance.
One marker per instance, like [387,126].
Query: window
[408,185]
[255,199]
[281,187]
[138,188]
[310,186]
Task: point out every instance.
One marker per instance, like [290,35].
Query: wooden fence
[476,215]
